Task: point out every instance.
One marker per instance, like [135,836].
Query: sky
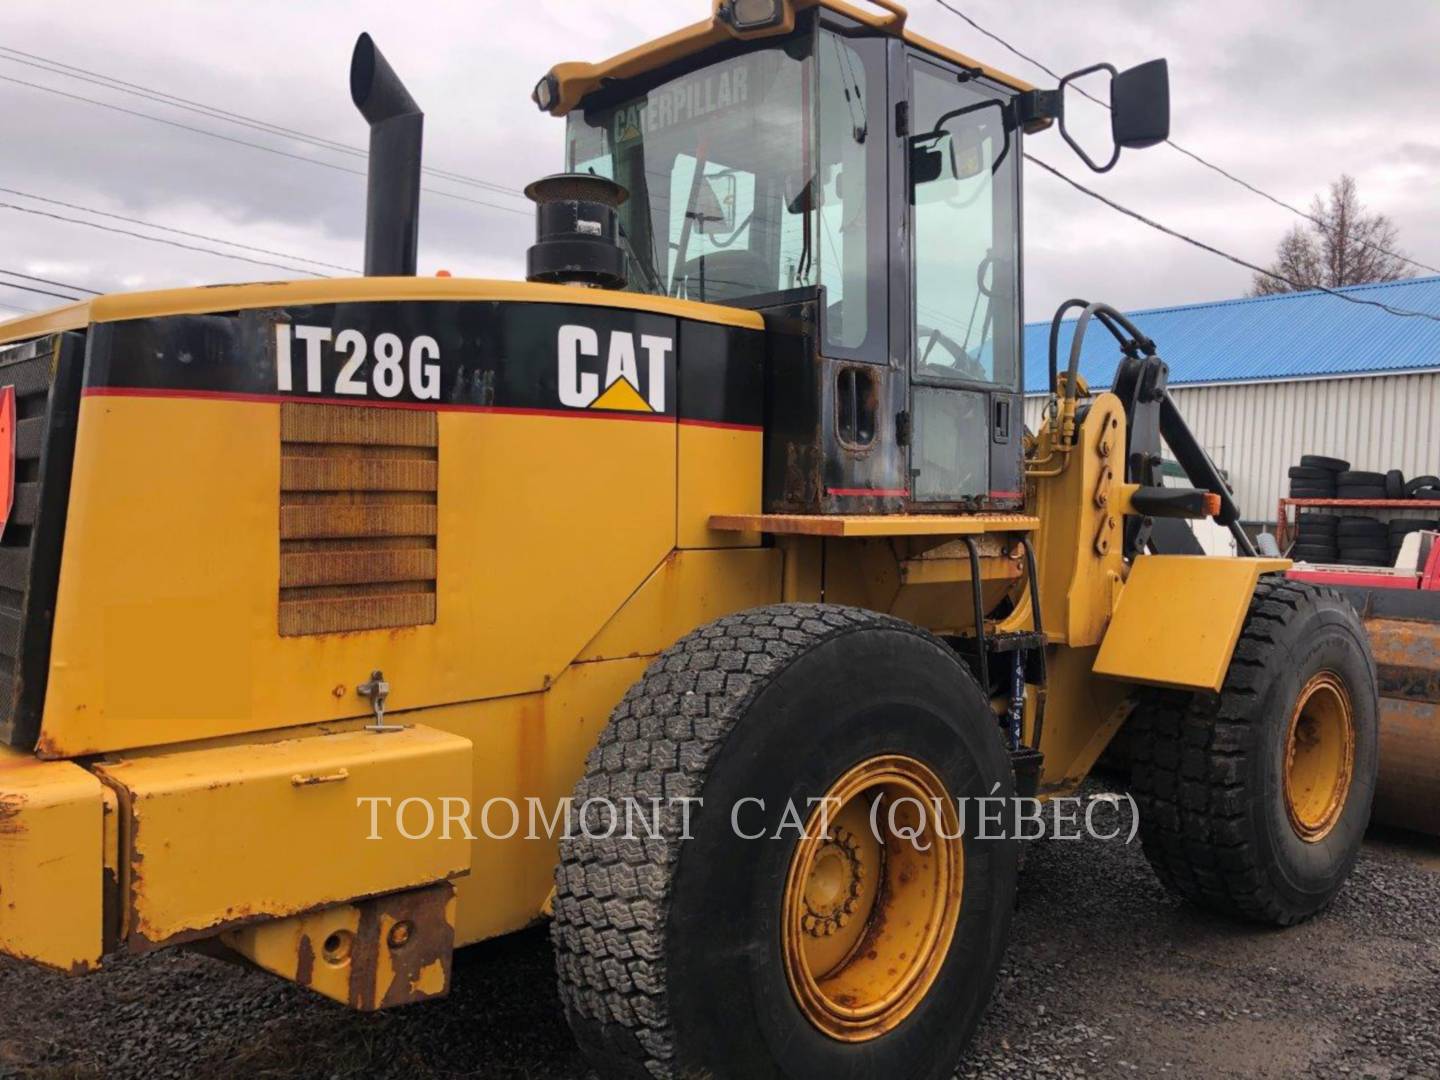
[1282,93]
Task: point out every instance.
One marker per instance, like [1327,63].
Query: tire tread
[1189,770]
[611,894]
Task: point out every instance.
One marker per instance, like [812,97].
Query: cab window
[963,196]
[850,193]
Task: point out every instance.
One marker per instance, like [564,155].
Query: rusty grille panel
[357,518]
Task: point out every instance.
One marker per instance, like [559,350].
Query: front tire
[1254,802]
[798,956]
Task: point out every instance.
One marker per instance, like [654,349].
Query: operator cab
[861,189]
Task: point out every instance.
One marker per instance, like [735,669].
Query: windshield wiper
[861,122]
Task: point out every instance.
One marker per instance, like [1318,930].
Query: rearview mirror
[927,158]
[1139,108]
[1140,105]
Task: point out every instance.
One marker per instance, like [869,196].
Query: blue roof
[1289,336]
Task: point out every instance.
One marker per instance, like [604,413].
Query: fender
[1177,619]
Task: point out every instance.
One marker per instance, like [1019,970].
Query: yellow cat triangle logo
[622,396]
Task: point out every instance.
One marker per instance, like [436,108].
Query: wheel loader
[311,590]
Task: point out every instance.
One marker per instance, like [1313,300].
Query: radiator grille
[357,518]
[46,376]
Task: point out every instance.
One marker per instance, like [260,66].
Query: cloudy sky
[1286,94]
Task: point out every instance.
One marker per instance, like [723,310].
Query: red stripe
[867,491]
[1007,495]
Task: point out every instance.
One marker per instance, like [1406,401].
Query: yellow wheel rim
[867,925]
[1319,757]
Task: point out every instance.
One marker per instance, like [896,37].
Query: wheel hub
[866,925]
[833,891]
[1319,757]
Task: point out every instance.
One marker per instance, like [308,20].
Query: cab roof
[574,80]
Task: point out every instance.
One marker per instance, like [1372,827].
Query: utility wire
[47,281]
[156,239]
[177,232]
[96,78]
[1406,312]
[42,292]
[1188,153]
[243,142]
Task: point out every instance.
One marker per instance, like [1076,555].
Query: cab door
[962,331]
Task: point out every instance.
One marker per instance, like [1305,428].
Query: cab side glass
[849,192]
[963,195]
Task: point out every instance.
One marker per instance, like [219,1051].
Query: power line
[243,142]
[42,292]
[177,232]
[96,78]
[156,239]
[1183,150]
[1406,312]
[47,281]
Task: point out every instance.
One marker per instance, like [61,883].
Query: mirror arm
[1064,134]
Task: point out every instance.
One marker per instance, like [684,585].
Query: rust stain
[431,940]
[305,961]
[47,749]
[365,959]
[1407,792]
[11,823]
[1409,683]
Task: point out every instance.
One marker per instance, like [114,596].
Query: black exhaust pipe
[392,201]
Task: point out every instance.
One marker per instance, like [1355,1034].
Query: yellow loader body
[203,765]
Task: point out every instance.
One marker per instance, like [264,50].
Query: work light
[747,15]
[545,93]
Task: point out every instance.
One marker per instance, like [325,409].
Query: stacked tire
[1423,487]
[1354,484]
[1402,528]
[1316,538]
[1323,537]
[1363,541]
[1316,477]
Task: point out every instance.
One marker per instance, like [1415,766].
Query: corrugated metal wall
[1256,431]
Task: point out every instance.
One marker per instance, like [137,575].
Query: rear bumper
[269,846]
[53,823]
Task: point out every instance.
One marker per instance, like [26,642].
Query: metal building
[1262,381]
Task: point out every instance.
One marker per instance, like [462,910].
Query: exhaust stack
[392,201]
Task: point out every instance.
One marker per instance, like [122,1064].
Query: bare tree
[1343,245]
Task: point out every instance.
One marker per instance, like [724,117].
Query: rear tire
[675,953]
[1240,811]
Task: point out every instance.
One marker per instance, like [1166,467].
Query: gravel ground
[1107,976]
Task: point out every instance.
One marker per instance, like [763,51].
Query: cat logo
[620,389]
